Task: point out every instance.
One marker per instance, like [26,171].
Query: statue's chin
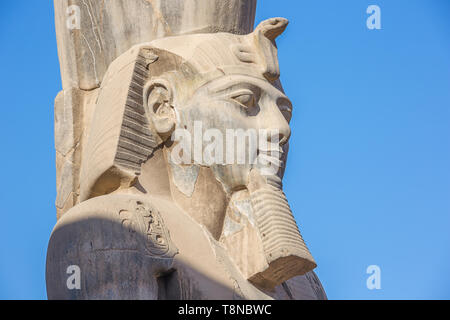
[236,177]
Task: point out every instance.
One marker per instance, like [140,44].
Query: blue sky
[368,173]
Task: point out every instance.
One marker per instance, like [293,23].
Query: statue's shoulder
[124,221]
[104,236]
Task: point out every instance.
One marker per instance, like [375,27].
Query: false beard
[285,250]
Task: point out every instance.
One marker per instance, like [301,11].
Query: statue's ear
[158,107]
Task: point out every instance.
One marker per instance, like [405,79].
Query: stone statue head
[204,116]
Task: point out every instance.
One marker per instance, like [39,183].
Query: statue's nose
[275,123]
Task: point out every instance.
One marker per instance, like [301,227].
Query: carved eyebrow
[241,91]
[236,86]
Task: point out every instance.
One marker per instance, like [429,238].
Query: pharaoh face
[236,123]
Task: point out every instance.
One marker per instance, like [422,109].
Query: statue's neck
[198,193]
[193,188]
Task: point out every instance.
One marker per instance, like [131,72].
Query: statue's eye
[245,98]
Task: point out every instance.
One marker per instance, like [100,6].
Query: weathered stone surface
[145,214]
[73,112]
[109,28]
[68,120]
[68,134]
